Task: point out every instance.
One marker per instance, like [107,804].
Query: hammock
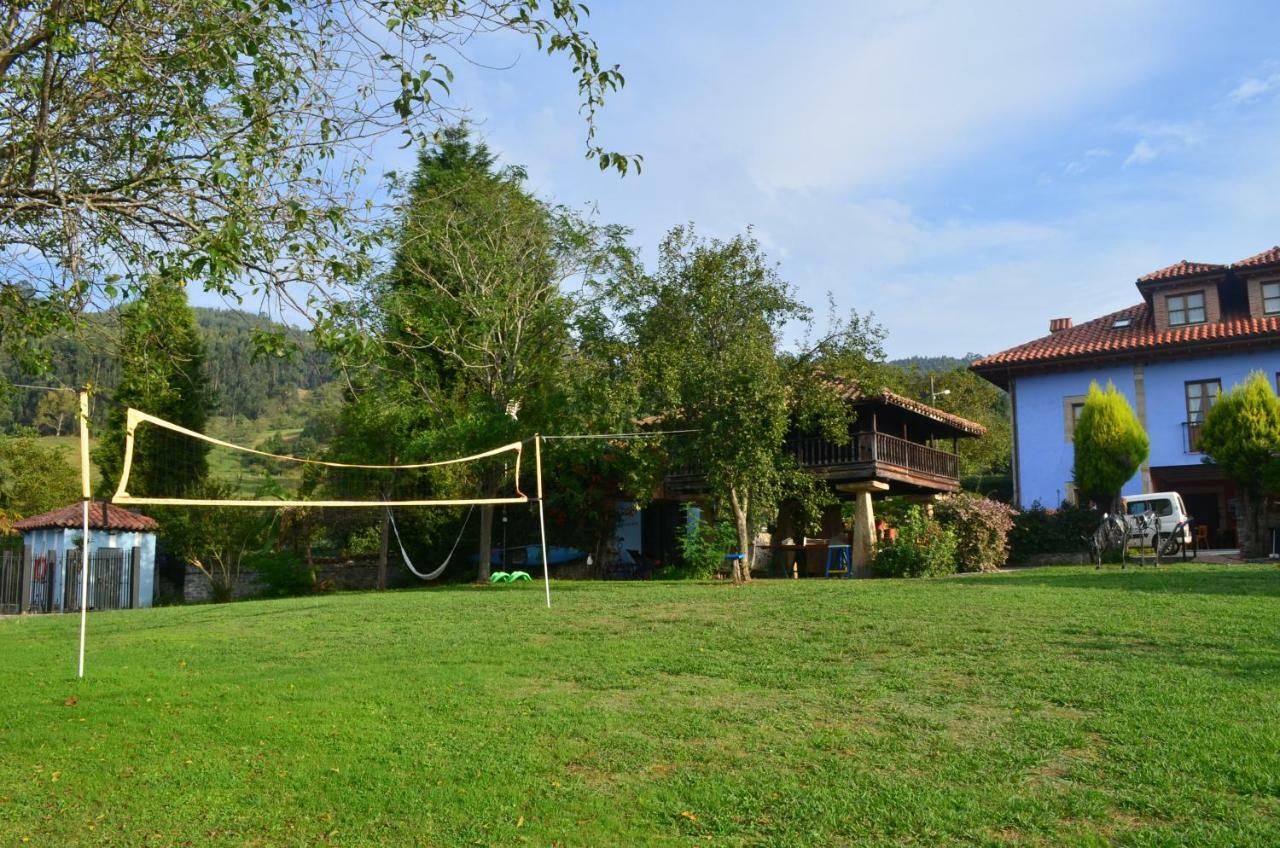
[405,554]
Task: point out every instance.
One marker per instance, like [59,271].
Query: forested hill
[245,385]
[935,364]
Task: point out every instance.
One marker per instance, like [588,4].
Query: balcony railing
[879,448]
[868,450]
[1192,429]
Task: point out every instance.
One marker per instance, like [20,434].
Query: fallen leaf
[71,701]
[688,815]
[520,822]
[53,778]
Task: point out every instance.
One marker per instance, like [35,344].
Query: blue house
[122,558]
[1198,330]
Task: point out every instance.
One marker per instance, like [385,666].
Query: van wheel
[1170,545]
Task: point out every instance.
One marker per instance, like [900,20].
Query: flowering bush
[981,527]
[924,549]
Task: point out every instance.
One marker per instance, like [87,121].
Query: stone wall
[335,575]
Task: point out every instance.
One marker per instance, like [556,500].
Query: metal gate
[10,582]
[111,583]
[44,569]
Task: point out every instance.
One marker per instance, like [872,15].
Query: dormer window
[1186,309]
[1271,298]
[1121,323]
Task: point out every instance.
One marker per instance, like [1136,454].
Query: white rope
[134,417]
[405,554]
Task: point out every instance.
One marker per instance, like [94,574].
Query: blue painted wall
[60,540]
[1044,453]
[1045,456]
[1166,396]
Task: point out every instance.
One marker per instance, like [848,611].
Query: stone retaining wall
[337,575]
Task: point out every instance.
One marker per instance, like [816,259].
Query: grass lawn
[1048,707]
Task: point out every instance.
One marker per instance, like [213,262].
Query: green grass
[1049,707]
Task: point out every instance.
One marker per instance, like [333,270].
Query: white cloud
[1142,153]
[1253,88]
[873,98]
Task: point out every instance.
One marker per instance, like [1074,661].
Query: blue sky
[966,171]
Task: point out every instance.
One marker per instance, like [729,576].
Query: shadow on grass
[1188,579]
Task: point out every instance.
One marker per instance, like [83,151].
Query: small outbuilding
[122,558]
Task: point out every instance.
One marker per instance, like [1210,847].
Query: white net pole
[542,520]
[85,493]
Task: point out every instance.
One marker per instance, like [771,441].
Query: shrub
[1037,530]
[924,549]
[1110,445]
[981,527]
[703,545]
[283,573]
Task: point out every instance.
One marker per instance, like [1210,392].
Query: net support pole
[85,494]
[542,518]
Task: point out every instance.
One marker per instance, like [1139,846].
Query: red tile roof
[102,516]
[1180,269]
[851,390]
[1099,338]
[1266,257]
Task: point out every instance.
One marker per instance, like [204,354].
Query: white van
[1170,509]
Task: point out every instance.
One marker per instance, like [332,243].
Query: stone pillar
[864,524]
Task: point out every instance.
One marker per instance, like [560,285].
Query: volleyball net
[166,464]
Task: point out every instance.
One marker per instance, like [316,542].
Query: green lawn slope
[1048,707]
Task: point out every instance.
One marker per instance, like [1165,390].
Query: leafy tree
[961,392]
[215,540]
[705,331]
[35,477]
[473,344]
[224,141]
[1110,445]
[55,411]
[162,362]
[1241,433]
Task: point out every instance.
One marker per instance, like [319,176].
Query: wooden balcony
[867,456]
[878,456]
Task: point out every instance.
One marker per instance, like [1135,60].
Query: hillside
[246,385]
[934,364]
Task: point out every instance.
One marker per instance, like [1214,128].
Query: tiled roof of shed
[102,516]
[1101,337]
[1180,269]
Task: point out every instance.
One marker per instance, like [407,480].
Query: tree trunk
[382,550]
[486,541]
[741,567]
[1252,543]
